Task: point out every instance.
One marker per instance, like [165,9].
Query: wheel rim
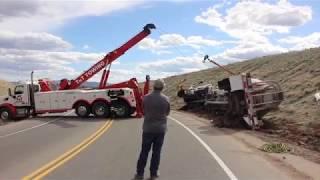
[121,111]
[82,110]
[100,111]
[5,115]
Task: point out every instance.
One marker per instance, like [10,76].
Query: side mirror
[9,92]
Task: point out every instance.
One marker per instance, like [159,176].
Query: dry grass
[4,85]
[298,74]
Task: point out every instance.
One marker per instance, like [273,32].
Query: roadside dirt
[304,145]
[301,163]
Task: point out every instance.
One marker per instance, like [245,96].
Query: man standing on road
[156,108]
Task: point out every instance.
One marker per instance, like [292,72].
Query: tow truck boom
[107,60]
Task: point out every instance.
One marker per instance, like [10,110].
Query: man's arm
[168,108]
[143,106]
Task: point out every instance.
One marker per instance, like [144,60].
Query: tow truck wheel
[5,114]
[82,110]
[122,109]
[101,109]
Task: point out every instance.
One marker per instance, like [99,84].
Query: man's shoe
[154,176]
[137,177]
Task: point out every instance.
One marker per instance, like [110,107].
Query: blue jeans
[156,141]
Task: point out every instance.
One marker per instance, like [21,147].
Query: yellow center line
[51,166]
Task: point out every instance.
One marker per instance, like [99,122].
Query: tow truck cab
[18,104]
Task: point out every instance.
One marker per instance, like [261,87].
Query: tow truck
[122,99]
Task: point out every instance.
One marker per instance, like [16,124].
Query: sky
[61,39]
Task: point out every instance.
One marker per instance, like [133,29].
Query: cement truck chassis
[239,98]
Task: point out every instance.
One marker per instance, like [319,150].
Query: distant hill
[90,84]
[4,85]
[55,84]
[298,74]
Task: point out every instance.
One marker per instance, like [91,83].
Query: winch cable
[182,54]
[163,32]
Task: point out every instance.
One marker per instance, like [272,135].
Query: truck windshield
[36,88]
[19,89]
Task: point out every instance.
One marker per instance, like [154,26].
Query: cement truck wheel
[181,93]
[237,110]
[82,110]
[237,103]
[101,109]
[233,115]
[5,114]
[122,109]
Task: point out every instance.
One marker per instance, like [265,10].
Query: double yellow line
[51,166]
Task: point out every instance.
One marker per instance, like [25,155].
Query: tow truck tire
[122,109]
[101,109]
[82,110]
[5,114]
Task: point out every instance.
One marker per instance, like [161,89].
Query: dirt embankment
[298,119]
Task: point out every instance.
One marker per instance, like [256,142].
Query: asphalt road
[109,150]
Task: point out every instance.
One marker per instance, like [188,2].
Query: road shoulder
[241,142]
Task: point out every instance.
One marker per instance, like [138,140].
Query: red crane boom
[107,60]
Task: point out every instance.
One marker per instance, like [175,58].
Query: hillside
[4,87]
[298,74]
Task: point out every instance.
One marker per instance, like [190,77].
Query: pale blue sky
[79,32]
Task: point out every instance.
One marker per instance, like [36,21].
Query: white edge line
[210,151]
[28,129]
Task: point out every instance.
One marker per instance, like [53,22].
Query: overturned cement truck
[237,98]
